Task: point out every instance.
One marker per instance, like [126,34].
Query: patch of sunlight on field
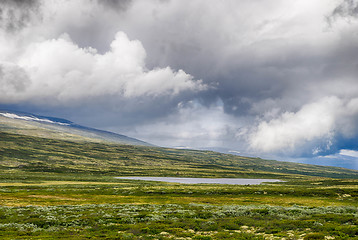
[273,201]
[217,200]
[340,187]
[53,183]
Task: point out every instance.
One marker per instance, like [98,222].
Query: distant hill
[57,128]
[25,154]
[35,143]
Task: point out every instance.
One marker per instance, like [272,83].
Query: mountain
[24,154]
[57,128]
[34,143]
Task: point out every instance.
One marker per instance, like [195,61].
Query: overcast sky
[263,77]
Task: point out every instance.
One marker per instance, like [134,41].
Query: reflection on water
[237,181]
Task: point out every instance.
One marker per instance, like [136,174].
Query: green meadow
[57,189]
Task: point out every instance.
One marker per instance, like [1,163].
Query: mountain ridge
[59,128]
[35,154]
[131,155]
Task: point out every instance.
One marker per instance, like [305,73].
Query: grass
[34,154]
[125,191]
[175,221]
[56,189]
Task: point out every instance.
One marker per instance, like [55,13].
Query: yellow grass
[52,183]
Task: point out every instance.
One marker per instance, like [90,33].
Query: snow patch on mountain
[31,118]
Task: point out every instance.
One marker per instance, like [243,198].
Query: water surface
[234,181]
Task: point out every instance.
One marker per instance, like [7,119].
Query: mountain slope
[56,128]
[44,144]
[35,154]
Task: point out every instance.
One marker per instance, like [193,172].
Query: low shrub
[314,236]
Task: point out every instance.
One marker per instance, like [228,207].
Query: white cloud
[315,124]
[347,152]
[193,125]
[60,71]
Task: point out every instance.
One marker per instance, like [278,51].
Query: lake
[233,181]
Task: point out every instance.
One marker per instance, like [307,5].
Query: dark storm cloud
[98,33]
[107,112]
[283,68]
[121,5]
[17,14]
[348,8]
[205,45]
[13,80]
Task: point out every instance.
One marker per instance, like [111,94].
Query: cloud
[311,130]
[13,80]
[193,125]
[116,4]
[346,9]
[61,72]
[17,14]
[350,153]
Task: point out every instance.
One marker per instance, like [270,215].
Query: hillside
[33,143]
[56,128]
[36,154]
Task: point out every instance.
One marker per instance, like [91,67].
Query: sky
[269,78]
